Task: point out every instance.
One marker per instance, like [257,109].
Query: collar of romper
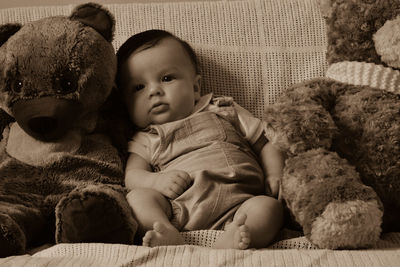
[202,103]
[365,74]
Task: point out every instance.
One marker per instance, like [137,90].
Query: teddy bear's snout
[43,125]
[46,118]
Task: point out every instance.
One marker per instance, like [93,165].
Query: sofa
[249,49]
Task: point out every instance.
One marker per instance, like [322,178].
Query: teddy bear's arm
[300,120]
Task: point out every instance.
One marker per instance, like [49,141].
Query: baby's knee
[273,203]
[266,205]
[274,206]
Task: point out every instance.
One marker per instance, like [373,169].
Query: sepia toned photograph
[200,133]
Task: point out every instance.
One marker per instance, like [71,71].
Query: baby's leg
[263,219]
[153,212]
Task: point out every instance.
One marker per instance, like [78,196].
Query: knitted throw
[365,74]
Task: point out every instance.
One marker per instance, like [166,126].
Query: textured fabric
[286,239]
[362,73]
[251,50]
[386,254]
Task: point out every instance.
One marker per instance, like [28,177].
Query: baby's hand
[173,183]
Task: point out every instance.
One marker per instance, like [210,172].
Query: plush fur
[342,133]
[60,177]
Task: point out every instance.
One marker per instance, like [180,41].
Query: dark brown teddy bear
[342,132]
[60,179]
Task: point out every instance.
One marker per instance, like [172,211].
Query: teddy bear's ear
[386,42]
[325,6]
[97,17]
[7,30]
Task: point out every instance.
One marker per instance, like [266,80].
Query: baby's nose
[155,89]
[387,42]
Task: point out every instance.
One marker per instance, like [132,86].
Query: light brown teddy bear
[60,178]
[342,132]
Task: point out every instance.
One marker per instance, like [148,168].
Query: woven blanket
[386,254]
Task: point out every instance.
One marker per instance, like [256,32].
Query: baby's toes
[245,238]
[147,238]
[243,245]
[244,231]
[240,219]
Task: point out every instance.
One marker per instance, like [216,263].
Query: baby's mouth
[159,108]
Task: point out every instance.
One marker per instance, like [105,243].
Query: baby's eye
[138,87]
[167,78]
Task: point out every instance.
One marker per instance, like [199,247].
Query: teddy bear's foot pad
[12,239]
[93,217]
[351,224]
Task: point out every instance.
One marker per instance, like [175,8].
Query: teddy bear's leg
[328,199]
[96,213]
[12,238]
[370,139]
[20,227]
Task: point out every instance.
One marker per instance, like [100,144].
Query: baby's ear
[197,87]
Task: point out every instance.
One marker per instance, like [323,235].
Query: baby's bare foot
[162,235]
[236,235]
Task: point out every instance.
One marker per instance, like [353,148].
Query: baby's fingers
[175,191]
[171,194]
[183,179]
[177,182]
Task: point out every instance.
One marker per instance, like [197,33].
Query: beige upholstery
[251,50]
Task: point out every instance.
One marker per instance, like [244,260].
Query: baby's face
[160,84]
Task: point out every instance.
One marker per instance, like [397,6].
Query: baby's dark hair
[150,38]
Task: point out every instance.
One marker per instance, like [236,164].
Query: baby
[196,162]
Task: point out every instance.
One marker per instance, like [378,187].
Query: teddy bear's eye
[66,82]
[17,86]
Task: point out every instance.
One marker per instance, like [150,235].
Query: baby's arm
[139,174]
[272,161]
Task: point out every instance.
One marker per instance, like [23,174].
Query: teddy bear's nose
[43,125]
[47,118]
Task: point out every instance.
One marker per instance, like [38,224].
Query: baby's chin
[166,118]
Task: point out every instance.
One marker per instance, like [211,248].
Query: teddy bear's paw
[95,214]
[12,238]
[351,224]
[296,128]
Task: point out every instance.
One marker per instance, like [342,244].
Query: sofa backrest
[251,49]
